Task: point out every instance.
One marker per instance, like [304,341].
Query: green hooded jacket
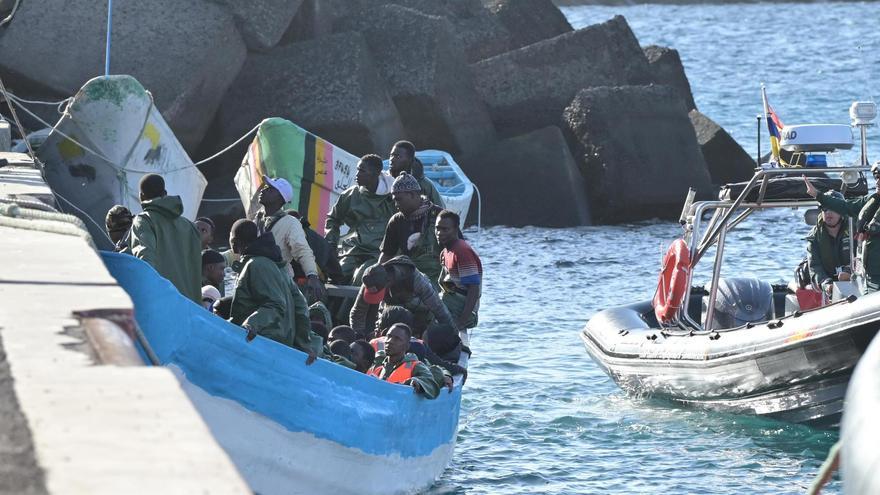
[267,302]
[827,253]
[170,243]
[866,211]
[365,214]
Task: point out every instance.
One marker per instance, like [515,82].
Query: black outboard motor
[742,300]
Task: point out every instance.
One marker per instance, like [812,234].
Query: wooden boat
[739,344]
[110,136]
[320,171]
[288,427]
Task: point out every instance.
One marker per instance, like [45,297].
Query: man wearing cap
[403,368]
[410,231]
[398,282]
[403,159]
[162,237]
[866,211]
[287,231]
[828,248]
[213,270]
[118,222]
[365,208]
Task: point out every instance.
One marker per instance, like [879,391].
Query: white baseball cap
[281,185]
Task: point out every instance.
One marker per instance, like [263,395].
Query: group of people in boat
[419,280]
[828,248]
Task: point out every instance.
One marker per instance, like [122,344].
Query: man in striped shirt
[461,279]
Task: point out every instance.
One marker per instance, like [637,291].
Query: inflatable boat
[291,428]
[739,344]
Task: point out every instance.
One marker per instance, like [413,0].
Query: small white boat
[110,136]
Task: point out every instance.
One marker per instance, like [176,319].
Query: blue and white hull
[288,427]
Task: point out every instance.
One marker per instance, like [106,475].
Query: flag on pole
[774,125]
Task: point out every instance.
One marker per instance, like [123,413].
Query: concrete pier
[78,412]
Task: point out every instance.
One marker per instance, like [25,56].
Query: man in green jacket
[403,159]
[166,240]
[828,248]
[866,211]
[266,302]
[365,208]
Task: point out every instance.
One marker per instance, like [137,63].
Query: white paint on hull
[274,460]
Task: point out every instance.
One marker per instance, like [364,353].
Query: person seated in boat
[410,231]
[162,237]
[392,315]
[342,349]
[213,269]
[205,226]
[398,282]
[365,209]
[866,211]
[266,302]
[287,232]
[404,368]
[462,276]
[828,248]
[403,159]
[363,355]
[118,222]
[343,332]
[326,256]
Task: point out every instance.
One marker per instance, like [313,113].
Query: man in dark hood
[166,240]
[266,302]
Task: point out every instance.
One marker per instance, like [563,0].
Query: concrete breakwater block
[262,22]
[726,159]
[637,151]
[329,86]
[426,75]
[529,21]
[668,70]
[529,88]
[185,53]
[530,180]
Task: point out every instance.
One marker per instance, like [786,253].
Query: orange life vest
[400,374]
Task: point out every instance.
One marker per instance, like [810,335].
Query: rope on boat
[26,203]
[11,14]
[11,215]
[826,471]
[224,150]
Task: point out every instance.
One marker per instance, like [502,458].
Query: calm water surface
[538,416]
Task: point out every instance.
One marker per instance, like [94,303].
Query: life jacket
[400,374]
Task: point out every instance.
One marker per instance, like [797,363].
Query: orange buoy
[673,281]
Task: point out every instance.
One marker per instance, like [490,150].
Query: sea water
[538,416]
